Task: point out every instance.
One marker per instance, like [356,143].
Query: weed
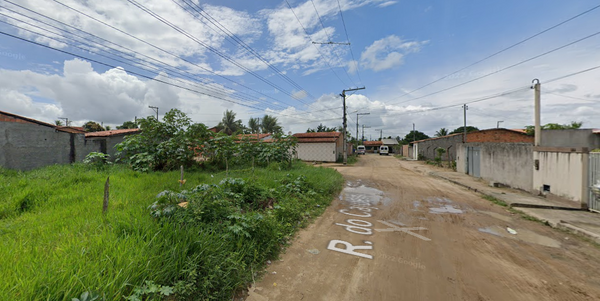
[495,200]
[57,244]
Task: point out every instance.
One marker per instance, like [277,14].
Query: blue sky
[399,46]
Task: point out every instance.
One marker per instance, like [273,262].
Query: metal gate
[594,199]
[473,161]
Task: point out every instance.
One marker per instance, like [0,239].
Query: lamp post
[498,123]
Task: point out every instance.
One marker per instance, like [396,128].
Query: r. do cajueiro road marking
[361,208]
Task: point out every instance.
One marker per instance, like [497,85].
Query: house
[372,146]
[320,146]
[427,148]
[27,143]
[107,140]
[565,168]
[392,144]
[255,137]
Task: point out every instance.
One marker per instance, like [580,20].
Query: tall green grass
[55,243]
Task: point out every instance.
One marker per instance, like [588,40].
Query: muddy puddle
[358,194]
[522,235]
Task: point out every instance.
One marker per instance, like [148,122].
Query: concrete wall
[508,163]
[570,138]
[565,174]
[26,146]
[105,144]
[326,152]
[427,148]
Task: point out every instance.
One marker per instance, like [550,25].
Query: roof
[318,137]
[111,133]
[372,143]
[518,131]
[389,141]
[28,119]
[70,129]
[252,136]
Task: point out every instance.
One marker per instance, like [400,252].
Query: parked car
[384,150]
[360,150]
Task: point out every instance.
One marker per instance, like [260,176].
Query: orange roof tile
[111,133]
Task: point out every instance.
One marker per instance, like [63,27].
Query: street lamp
[498,123]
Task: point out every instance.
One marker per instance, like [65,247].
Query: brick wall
[499,135]
[6,118]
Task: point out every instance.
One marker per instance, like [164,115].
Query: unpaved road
[427,240]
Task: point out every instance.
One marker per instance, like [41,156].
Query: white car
[384,150]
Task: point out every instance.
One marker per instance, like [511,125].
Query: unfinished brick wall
[499,135]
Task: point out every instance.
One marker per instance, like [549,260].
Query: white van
[360,150]
[384,150]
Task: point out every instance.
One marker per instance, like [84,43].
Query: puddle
[437,200]
[363,196]
[522,235]
[416,204]
[445,209]
[497,215]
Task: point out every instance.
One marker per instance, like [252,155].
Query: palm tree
[442,132]
[270,125]
[254,125]
[58,122]
[228,124]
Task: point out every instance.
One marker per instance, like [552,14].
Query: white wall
[565,172]
[317,152]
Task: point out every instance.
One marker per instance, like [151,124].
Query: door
[594,198]
[473,161]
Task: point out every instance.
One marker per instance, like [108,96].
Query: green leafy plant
[97,160]
[150,291]
[87,296]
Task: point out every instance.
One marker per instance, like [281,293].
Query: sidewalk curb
[562,225]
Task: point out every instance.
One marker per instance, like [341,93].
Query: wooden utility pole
[357,126]
[106,196]
[343,95]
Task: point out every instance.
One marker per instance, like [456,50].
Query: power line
[330,40]
[572,97]
[158,48]
[503,50]
[506,68]
[317,48]
[210,48]
[129,71]
[239,41]
[141,62]
[211,89]
[349,44]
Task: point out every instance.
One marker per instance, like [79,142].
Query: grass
[55,243]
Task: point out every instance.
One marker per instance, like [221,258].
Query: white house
[321,146]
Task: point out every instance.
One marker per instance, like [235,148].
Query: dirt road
[396,234]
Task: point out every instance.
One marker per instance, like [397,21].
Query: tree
[462,130]
[442,132]
[108,128]
[166,144]
[321,128]
[271,125]
[58,122]
[414,136]
[530,129]
[228,124]
[92,126]
[127,125]
[254,125]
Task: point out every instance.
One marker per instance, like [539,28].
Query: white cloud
[387,3]
[388,53]
[112,97]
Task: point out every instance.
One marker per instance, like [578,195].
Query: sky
[418,61]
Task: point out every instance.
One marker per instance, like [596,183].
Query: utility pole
[156,110]
[498,123]
[380,134]
[363,132]
[465,108]
[357,124]
[538,127]
[65,119]
[414,133]
[343,95]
